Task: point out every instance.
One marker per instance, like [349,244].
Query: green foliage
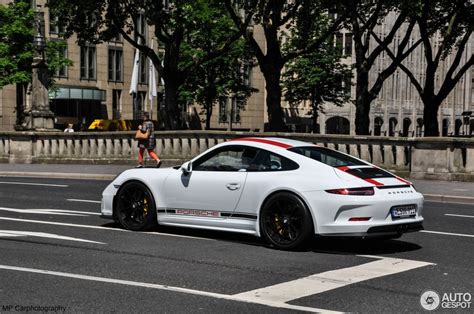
[317,77]
[16,45]
[220,77]
[16,37]
[195,36]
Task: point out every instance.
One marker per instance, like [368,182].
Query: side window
[267,161]
[229,158]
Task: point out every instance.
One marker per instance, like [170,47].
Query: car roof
[271,141]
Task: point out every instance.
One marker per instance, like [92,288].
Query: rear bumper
[394,230]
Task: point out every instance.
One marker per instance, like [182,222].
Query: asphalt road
[57,253]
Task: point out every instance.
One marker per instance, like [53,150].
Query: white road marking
[36,184]
[165,288]
[85,201]
[13,233]
[318,283]
[99,227]
[61,212]
[448,233]
[456,215]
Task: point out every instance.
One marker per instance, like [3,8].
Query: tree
[451,22]
[218,78]
[273,16]
[363,17]
[172,23]
[317,78]
[16,50]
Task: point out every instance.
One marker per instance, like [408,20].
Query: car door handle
[233,186]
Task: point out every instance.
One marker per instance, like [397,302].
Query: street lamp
[39,117]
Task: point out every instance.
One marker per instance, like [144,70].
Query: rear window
[327,156]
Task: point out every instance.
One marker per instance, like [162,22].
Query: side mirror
[187,168]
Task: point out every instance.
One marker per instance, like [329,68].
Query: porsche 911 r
[283,190]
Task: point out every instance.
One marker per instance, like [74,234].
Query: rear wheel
[285,221]
[135,208]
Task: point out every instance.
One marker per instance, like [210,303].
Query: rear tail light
[353,191]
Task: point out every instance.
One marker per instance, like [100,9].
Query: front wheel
[285,221]
[135,207]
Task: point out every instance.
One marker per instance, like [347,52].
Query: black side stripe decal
[218,214]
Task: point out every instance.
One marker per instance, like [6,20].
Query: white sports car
[282,190]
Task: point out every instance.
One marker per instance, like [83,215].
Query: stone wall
[436,158]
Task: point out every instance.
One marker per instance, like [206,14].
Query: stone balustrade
[437,158]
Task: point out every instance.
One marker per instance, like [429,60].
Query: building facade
[97,86]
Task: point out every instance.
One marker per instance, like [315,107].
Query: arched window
[378,122]
[392,124]
[337,125]
[444,132]
[406,127]
[419,127]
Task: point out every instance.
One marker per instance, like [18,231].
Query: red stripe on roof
[264,141]
[403,180]
[345,168]
[373,182]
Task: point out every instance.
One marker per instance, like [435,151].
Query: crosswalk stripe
[165,288]
[318,283]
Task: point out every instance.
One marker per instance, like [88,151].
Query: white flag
[152,84]
[136,68]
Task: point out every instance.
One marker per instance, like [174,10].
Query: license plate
[403,211]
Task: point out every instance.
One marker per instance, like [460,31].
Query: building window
[55,26]
[339,41]
[223,110]
[141,28]
[143,71]
[139,105]
[236,104]
[248,75]
[348,44]
[62,70]
[115,64]
[88,62]
[116,104]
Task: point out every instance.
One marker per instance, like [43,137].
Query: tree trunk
[173,119]
[362,103]
[430,116]
[272,75]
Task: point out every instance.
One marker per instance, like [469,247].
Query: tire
[285,221]
[135,207]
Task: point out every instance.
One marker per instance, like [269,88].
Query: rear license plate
[403,211]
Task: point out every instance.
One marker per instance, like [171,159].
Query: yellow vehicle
[113,125]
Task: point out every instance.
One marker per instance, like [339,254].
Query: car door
[215,184]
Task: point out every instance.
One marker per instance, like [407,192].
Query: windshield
[327,156]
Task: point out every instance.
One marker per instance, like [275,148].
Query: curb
[449,198]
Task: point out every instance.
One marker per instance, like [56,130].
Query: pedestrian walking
[149,143]
[69,128]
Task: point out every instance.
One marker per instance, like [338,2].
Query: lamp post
[39,117]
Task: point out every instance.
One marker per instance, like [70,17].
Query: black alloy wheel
[135,207]
[285,221]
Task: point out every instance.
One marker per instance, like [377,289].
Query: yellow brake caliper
[279,225]
[145,206]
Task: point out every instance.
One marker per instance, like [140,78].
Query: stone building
[398,110]
[97,86]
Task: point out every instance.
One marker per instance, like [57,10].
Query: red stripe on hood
[264,141]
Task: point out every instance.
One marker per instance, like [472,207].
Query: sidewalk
[443,191]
